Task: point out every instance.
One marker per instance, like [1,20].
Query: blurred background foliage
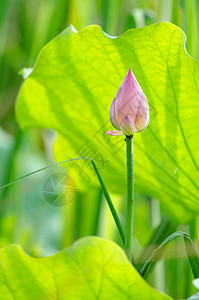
[25,218]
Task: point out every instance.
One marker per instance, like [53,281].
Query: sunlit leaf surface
[92,268]
[71,88]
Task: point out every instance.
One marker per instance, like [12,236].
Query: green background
[25,218]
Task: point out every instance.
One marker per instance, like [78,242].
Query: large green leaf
[71,89]
[92,268]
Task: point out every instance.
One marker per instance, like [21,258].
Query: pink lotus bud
[129,112]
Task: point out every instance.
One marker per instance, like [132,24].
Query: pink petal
[130,77]
[128,126]
[126,102]
[142,113]
[115,132]
[112,114]
[146,124]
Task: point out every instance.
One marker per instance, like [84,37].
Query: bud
[129,112]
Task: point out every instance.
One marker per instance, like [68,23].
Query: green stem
[130,196]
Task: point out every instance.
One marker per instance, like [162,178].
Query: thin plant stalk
[130,196]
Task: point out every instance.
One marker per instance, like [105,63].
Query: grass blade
[191,251]
[105,192]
